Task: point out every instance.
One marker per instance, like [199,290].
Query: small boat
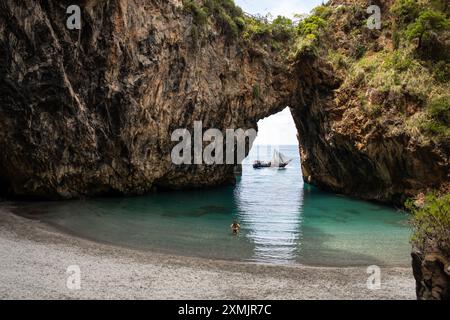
[279,160]
[261,164]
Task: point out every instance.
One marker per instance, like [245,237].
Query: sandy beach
[34,258]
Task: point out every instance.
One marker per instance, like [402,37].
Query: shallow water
[282,220]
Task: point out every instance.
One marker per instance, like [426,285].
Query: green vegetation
[311,26]
[405,11]
[429,22]
[310,30]
[439,110]
[199,14]
[438,117]
[339,59]
[323,11]
[431,223]
[441,71]
[256,91]
[278,32]
[391,72]
[282,29]
[228,16]
[422,29]
[408,75]
[405,66]
[233,23]
[404,81]
[422,21]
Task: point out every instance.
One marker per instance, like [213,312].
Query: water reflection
[273,222]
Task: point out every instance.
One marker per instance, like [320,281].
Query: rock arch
[90,112]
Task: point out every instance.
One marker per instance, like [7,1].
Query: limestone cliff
[91,112]
[362,135]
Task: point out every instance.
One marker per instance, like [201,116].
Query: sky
[278,129]
[278,7]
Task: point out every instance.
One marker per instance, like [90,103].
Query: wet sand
[34,258]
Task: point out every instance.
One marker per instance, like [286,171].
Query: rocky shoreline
[432,274]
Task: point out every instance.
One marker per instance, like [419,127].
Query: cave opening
[269,200]
[277,132]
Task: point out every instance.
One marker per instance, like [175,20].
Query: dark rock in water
[91,112]
[432,274]
[238,170]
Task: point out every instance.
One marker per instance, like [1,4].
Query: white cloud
[278,129]
[279,7]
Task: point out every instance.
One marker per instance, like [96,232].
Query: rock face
[347,150]
[344,151]
[91,112]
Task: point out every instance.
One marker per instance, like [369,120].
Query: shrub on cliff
[438,117]
[439,109]
[441,71]
[425,23]
[406,11]
[428,23]
[311,25]
[310,29]
[276,32]
[256,27]
[431,223]
[228,16]
[282,29]
[200,17]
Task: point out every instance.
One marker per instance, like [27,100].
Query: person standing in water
[235,227]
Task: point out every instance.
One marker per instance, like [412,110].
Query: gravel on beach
[35,257]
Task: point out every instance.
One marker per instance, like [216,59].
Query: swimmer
[235,227]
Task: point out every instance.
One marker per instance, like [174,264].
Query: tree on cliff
[428,23]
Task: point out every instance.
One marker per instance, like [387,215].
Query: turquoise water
[283,221]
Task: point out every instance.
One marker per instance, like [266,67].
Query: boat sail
[279,160]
